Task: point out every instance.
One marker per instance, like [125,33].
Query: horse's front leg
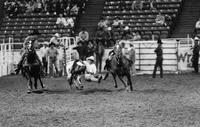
[121,79]
[129,81]
[114,76]
[41,83]
[30,86]
[35,82]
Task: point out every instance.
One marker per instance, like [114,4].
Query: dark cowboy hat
[35,32]
[52,44]
[159,41]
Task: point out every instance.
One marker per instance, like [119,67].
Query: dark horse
[31,68]
[120,66]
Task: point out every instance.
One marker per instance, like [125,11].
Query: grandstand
[138,20]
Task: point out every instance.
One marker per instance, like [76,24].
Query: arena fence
[177,55]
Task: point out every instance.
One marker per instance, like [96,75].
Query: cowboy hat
[126,28]
[109,28]
[35,32]
[56,35]
[91,58]
[46,43]
[196,39]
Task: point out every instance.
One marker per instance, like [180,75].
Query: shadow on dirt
[157,91]
[57,91]
[91,91]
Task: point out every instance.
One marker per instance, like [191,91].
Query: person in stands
[61,21]
[137,5]
[160,19]
[127,33]
[91,70]
[84,36]
[70,22]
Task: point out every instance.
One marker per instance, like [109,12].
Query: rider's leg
[19,65]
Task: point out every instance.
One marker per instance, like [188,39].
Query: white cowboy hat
[91,58]
[196,39]
[57,35]
[126,28]
[46,43]
[109,28]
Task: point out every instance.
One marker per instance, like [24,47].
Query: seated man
[137,4]
[91,71]
[70,22]
[160,19]
[61,21]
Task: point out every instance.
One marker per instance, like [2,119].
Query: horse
[119,66]
[75,71]
[32,69]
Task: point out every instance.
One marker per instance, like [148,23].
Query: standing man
[43,52]
[52,53]
[55,40]
[195,57]
[159,59]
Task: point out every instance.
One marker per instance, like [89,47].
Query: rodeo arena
[99,63]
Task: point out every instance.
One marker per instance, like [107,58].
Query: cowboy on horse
[30,43]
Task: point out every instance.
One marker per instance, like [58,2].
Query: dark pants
[45,64]
[99,58]
[195,64]
[159,63]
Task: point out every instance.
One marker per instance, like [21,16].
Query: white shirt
[54,40]
[61,21]
[43,51]
[197,24]
[70,22]
[91,68]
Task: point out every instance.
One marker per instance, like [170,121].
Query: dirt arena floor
[173,101]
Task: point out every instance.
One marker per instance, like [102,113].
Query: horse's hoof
[115,86]
[29,91]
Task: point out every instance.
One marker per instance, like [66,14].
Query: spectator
[83,36]
[168,20]
[160,19]
[74,10]
[137,4]
[91,71]
[127,33]
[70,22]
[54,39]
[117,23]
[38,6]
[137,36]
[61,21]
[30,7]
[122,5]
[152,5]
[102,24]
[52,53]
